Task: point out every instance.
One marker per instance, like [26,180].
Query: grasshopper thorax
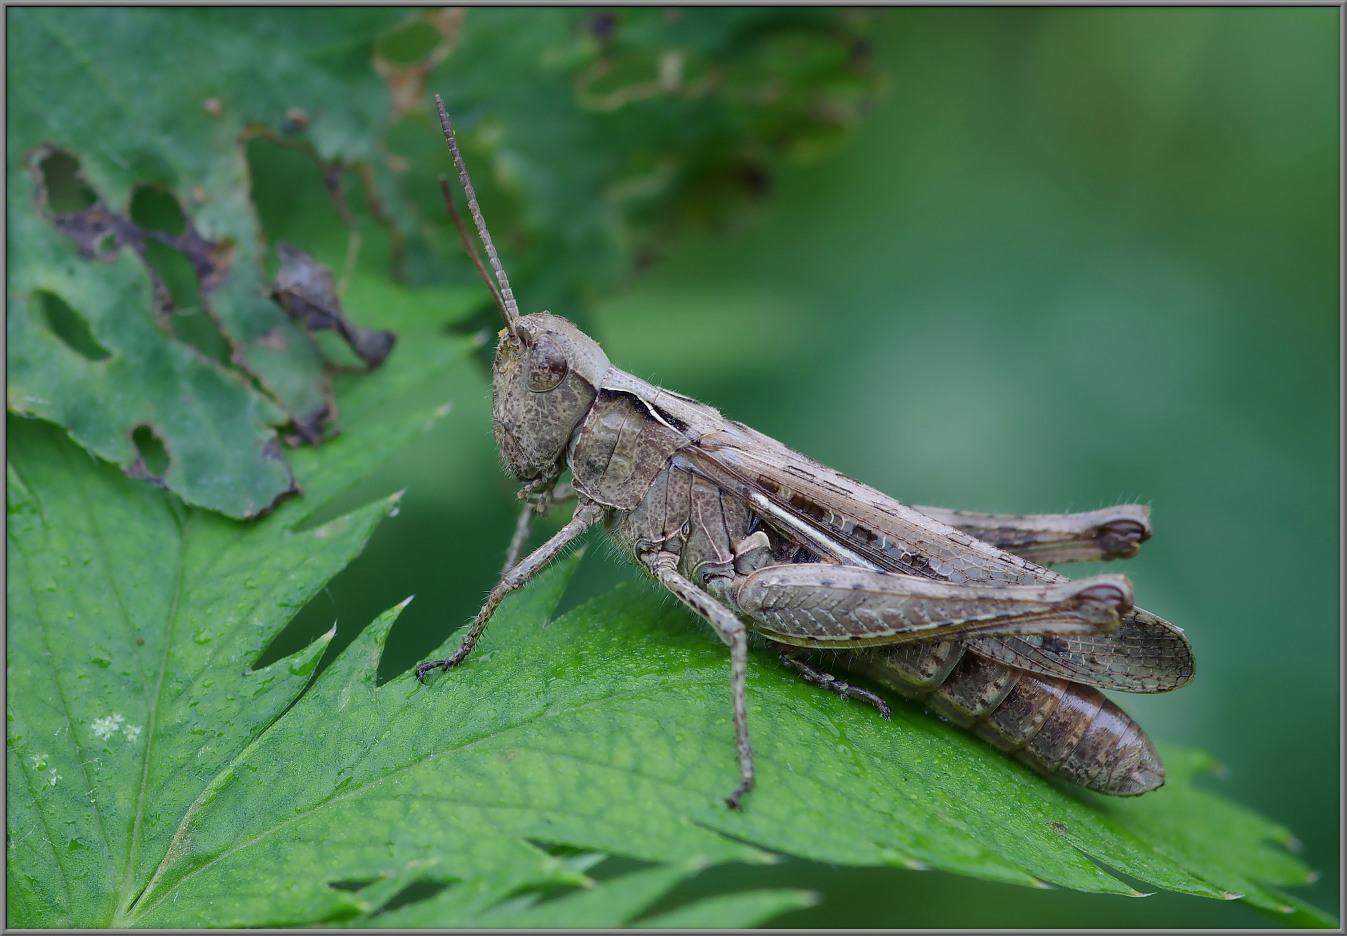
[546,376]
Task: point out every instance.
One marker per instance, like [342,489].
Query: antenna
[509,309]
[464,236]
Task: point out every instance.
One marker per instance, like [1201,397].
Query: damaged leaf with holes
[89,347]
[135,630]
[139,312]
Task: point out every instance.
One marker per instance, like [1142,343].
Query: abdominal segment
[1056,727]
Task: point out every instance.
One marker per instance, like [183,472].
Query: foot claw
[732,800]
[847,691]
[423,668]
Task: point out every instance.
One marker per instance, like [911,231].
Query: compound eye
[548,365]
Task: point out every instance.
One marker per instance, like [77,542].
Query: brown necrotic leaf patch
[99,231]
[405,57]
[304,288]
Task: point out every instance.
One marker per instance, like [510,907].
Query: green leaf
[607,730]
[598,137]
[138,623]
[607,905]
[156,779]
[383,774]
[132,803]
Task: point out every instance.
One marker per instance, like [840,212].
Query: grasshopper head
[545,378]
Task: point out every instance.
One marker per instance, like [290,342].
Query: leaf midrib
[152,725]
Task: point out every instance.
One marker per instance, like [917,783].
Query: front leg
[1089,536]
[585,516]
[731,630]
[538,498]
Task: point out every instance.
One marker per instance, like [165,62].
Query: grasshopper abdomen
[1055,726]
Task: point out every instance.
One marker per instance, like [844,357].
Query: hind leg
[791,660]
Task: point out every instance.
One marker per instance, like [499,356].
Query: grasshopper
[946,607]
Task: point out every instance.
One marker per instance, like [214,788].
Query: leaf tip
[563,872]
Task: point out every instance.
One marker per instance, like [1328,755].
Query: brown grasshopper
[942,606]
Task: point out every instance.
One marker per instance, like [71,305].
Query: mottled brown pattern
[809,557]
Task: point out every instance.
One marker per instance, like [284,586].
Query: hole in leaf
[67,192]
[175,272]
[409,44]
[68,326]
[154,209]
[305,289]
[153,455]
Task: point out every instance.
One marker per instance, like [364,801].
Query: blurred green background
[1073,257]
